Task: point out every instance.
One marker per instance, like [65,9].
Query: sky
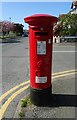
[17,11]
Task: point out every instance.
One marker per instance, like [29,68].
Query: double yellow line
[11,98]
[64,73]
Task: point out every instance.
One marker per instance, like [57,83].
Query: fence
[68,39]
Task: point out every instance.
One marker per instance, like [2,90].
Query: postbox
[40,45]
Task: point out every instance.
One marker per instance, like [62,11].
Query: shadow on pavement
[65,100]
[11,41]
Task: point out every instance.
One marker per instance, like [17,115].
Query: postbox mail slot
[41,33]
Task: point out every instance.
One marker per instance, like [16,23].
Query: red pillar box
[40,41]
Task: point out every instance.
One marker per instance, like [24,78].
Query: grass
[25,102]
[28,100]
[22,114]
[8,36]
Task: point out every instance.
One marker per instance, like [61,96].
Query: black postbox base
[40,97]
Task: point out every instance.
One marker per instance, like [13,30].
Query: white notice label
[41,79]
[41,47]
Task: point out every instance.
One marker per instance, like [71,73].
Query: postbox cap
[40,19]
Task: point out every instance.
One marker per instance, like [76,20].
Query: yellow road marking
[24,83]
[10,99]
[67,71]
[11,90]
[58,76]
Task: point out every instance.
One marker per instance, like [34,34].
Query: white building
[74,7]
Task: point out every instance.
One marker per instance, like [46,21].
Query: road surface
[15,65]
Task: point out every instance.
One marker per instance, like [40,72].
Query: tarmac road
[15,65]
[63,57]
[15,61]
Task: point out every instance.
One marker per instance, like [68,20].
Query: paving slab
[63,101]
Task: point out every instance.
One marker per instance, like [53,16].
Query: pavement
[62,105]
[16,73]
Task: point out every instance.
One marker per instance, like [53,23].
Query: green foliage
[28,100]
[22,114]
[23,103]
[8,36]
[68,25]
